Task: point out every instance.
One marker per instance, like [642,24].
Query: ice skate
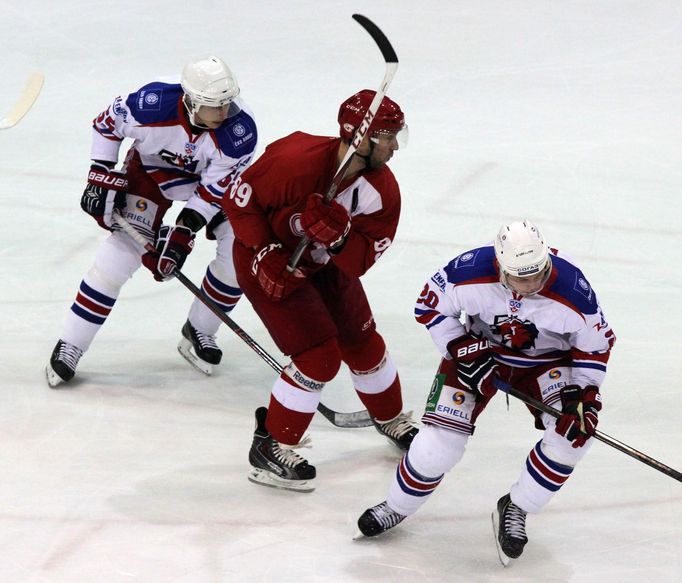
[377,520]
[399,431]
[63,363]
[199,349]
[276,465]
[509,528]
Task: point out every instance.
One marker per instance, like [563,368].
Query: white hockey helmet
[207,82]
[521,251]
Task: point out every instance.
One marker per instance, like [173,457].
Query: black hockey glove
[580,413]
[105,191]
[173,245]
[475,364]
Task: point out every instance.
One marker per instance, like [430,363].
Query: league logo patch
[514,306]
[149,100]
[190,148]
[466,259]
[582,287]
[239,130]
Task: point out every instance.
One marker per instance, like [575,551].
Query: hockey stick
[27,98]
[608,440]
[391,60]
[345,420]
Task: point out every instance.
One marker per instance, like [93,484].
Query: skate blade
[265,478]
[358,535]
[504,559]
[53,379]
[186,350]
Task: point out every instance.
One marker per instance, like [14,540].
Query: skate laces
[399,426]
[286,454]
[69,354]
[386,516]
[205,340]
[515,521]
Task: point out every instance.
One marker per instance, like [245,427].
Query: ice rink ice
[567,113]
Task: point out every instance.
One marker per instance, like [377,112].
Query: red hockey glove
[105,191]
[269,267]
[327,224]
[475,364]
[580,413]
[173,245]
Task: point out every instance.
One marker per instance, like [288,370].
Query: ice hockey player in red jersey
[191,137]
[532,320]
[319,313]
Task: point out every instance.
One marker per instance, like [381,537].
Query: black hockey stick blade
[379,37]
[346,420]
[598,435]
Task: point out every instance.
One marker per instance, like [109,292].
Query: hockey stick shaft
[346,420]
[391,60]
[603,437]
[34,84]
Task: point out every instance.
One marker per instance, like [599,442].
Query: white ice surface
[565,112]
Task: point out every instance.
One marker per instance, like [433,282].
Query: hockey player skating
[319,313]
[532,319]
[190,141]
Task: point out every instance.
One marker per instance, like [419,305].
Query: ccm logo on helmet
[481,345]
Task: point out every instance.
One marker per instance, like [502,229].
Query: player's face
[526,286]
[212,117]
[384,144]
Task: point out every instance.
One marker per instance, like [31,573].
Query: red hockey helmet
[389,117]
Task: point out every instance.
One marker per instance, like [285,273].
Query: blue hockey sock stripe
[413,483]
[92,305]
[549,474]
[222,294]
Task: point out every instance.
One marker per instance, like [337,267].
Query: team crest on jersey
[295,225]
[515,333]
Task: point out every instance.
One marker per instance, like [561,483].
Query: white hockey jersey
[563,319]
[186,166]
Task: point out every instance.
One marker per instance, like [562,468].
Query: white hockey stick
[391,60]
[28,97]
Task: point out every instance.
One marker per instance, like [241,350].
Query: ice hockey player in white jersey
[524,313]
[190,140]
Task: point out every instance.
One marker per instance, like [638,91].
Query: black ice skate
[399,431]
[63,363]
[377,520]
[199,349]
[509,528]
[276,465]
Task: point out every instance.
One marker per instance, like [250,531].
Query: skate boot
[275,464]
[199,349]
[63,363]
[509,528]
[399,431]
[378,519]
